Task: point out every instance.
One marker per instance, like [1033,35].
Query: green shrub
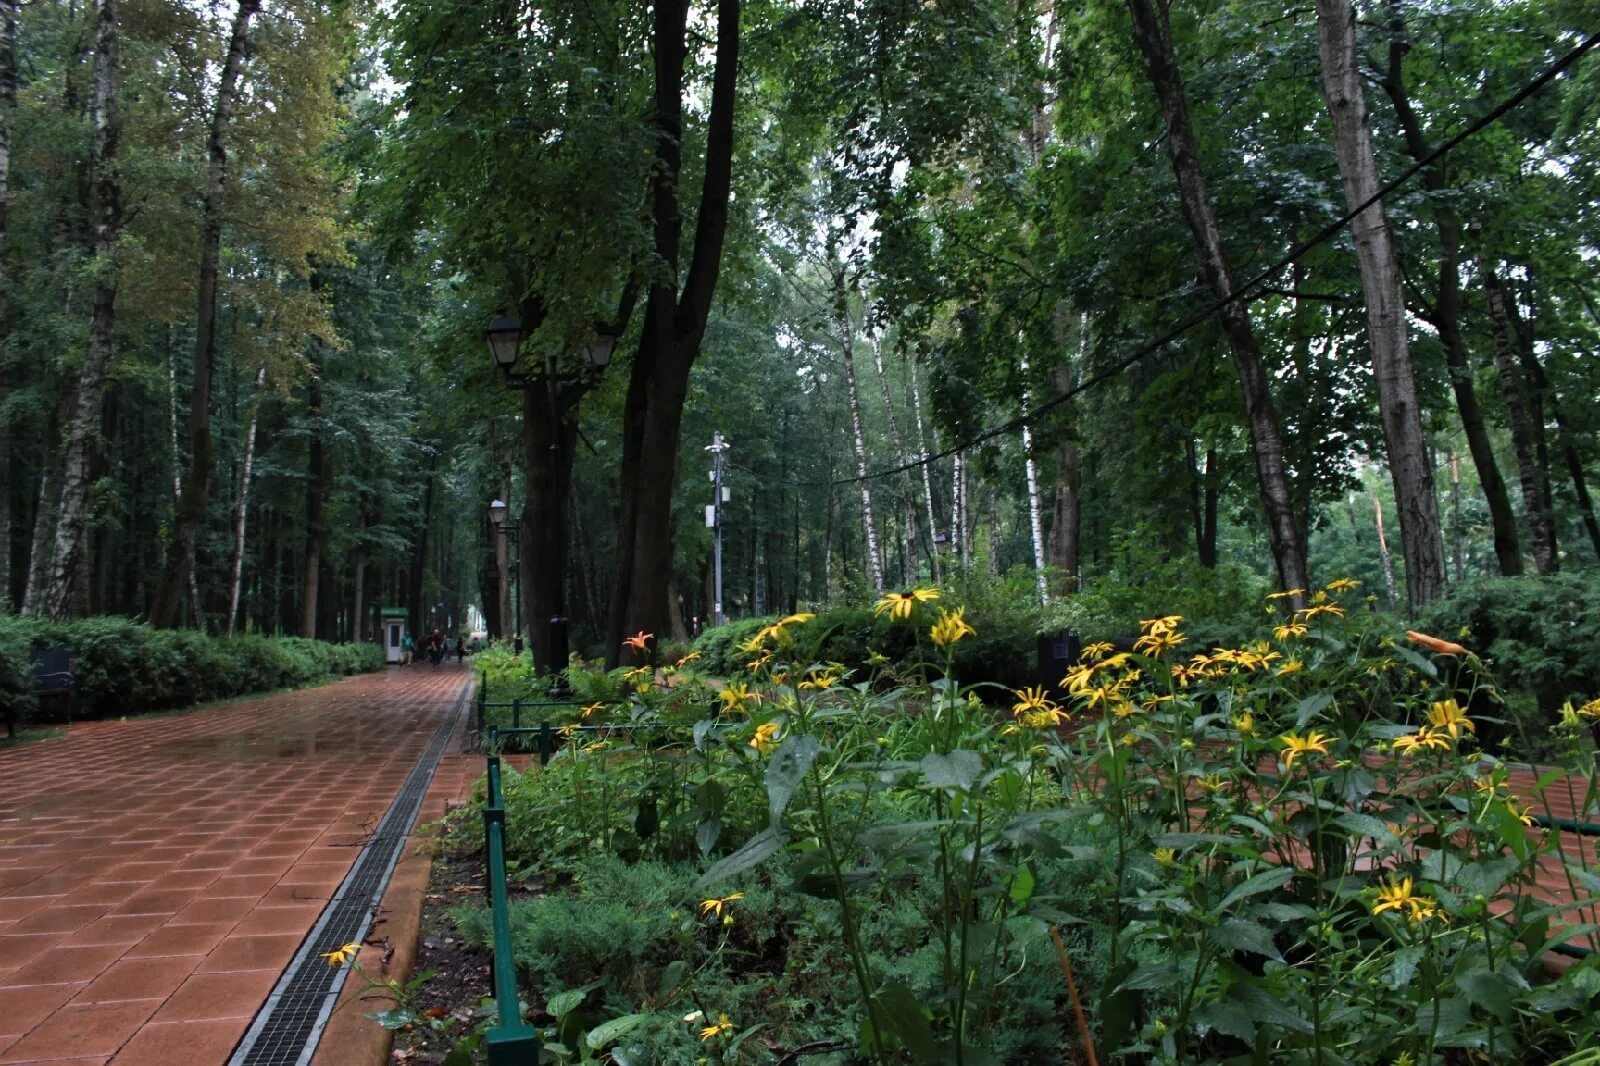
[124,667]
[719,645]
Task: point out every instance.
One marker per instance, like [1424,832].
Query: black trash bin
[1058,652]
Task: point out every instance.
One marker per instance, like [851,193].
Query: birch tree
[1410,468]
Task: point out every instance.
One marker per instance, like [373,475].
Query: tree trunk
[857,433]
[1154,38]
[415,616]
[896,441]
[1384,558]
[241,506]
[358,632]
[547,471]
[1541,526]
[1031,471]
[319,479]
[674,323]
[1398,408]
[72,513]
[926,466]
[202,459]
[8,106]
[1447,311]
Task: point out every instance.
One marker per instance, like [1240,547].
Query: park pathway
[157,875]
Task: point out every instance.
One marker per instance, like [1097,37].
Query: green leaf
[1266,881]
[958,770]
[1228,1018]
[564,1003]
[757,850]
[1404,966]
[1238,934]
[614,1030]
[671,978]
[786,769]
[706,834]
[902,1017]
[1022,885]
[1310,707]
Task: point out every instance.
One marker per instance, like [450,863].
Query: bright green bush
[125,667]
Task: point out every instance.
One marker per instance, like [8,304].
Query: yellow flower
[735,695]
[797,619]
[1308,613]
[1397,895]
[1031,699]
[637,673]
[639,640]
[723,1025]
[1158,642]
[877,658]
[568,729]
[1286,594]
[1164,624]
[1165,857]
[687,659]
[1344,584]
[1128,740]
[1290,666]
[1212,783]
[950,628]
[898,605]
[341,955]
[1590,709]
[591,709]
[1290,629]
[1434,644]
[766,737]
[1245,723]
[1447,716]
[1312,742]
[1422,738]
[714,906]
[1096,651]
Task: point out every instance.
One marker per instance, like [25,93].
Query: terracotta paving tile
[61,918]
[252,885]
[109,893]
[169,1043]
[181,940]
[169,902]
[22,949]
[256,865]
[267,920]
[252,952]
[316,873]
[75,1032]
[205,911]
[19,907]
[65,963]
[135,871]
[118,929]
[208,996]
[139,979]
[293,895]
[23,1007]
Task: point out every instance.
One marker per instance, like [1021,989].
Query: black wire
[1117,368]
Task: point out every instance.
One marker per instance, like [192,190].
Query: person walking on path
[408,649]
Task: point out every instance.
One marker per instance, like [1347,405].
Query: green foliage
[1540,634]
[124,667]
[719,645]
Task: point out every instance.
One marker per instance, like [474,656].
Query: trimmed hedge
[125,667]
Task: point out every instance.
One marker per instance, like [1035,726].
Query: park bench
[55,677]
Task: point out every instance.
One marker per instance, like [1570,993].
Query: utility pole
[719,496]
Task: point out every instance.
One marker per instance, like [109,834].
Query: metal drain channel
[289,1025]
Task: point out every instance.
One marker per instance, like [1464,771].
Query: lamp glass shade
[599,349]
[504,337]
[497,513]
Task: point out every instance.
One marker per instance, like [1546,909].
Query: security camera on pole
[719,496]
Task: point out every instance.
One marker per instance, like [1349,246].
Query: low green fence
[512,1042]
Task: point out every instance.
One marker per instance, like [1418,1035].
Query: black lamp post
[497,520]
[504,338]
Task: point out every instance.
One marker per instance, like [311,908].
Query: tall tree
[1410,468]
[67,553]
[1152,32]
[8,105]
[675,316]
[1446,310]
[202,459]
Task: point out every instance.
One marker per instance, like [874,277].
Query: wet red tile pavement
[156,875]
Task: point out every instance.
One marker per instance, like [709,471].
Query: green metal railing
[512,1042]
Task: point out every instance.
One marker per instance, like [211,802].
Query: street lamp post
[504,337]
[497,520]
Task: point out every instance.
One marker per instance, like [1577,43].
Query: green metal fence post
[483,698]
[547,743]
[516,713]
[512,1042]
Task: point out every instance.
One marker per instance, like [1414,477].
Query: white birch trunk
[901,456]
[1035,520]
[72,514]
[847,343]
[241,506]
[925,466]
[1383,552]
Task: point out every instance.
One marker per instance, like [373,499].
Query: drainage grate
[286,1030]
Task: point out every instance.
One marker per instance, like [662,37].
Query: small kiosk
[394,630]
